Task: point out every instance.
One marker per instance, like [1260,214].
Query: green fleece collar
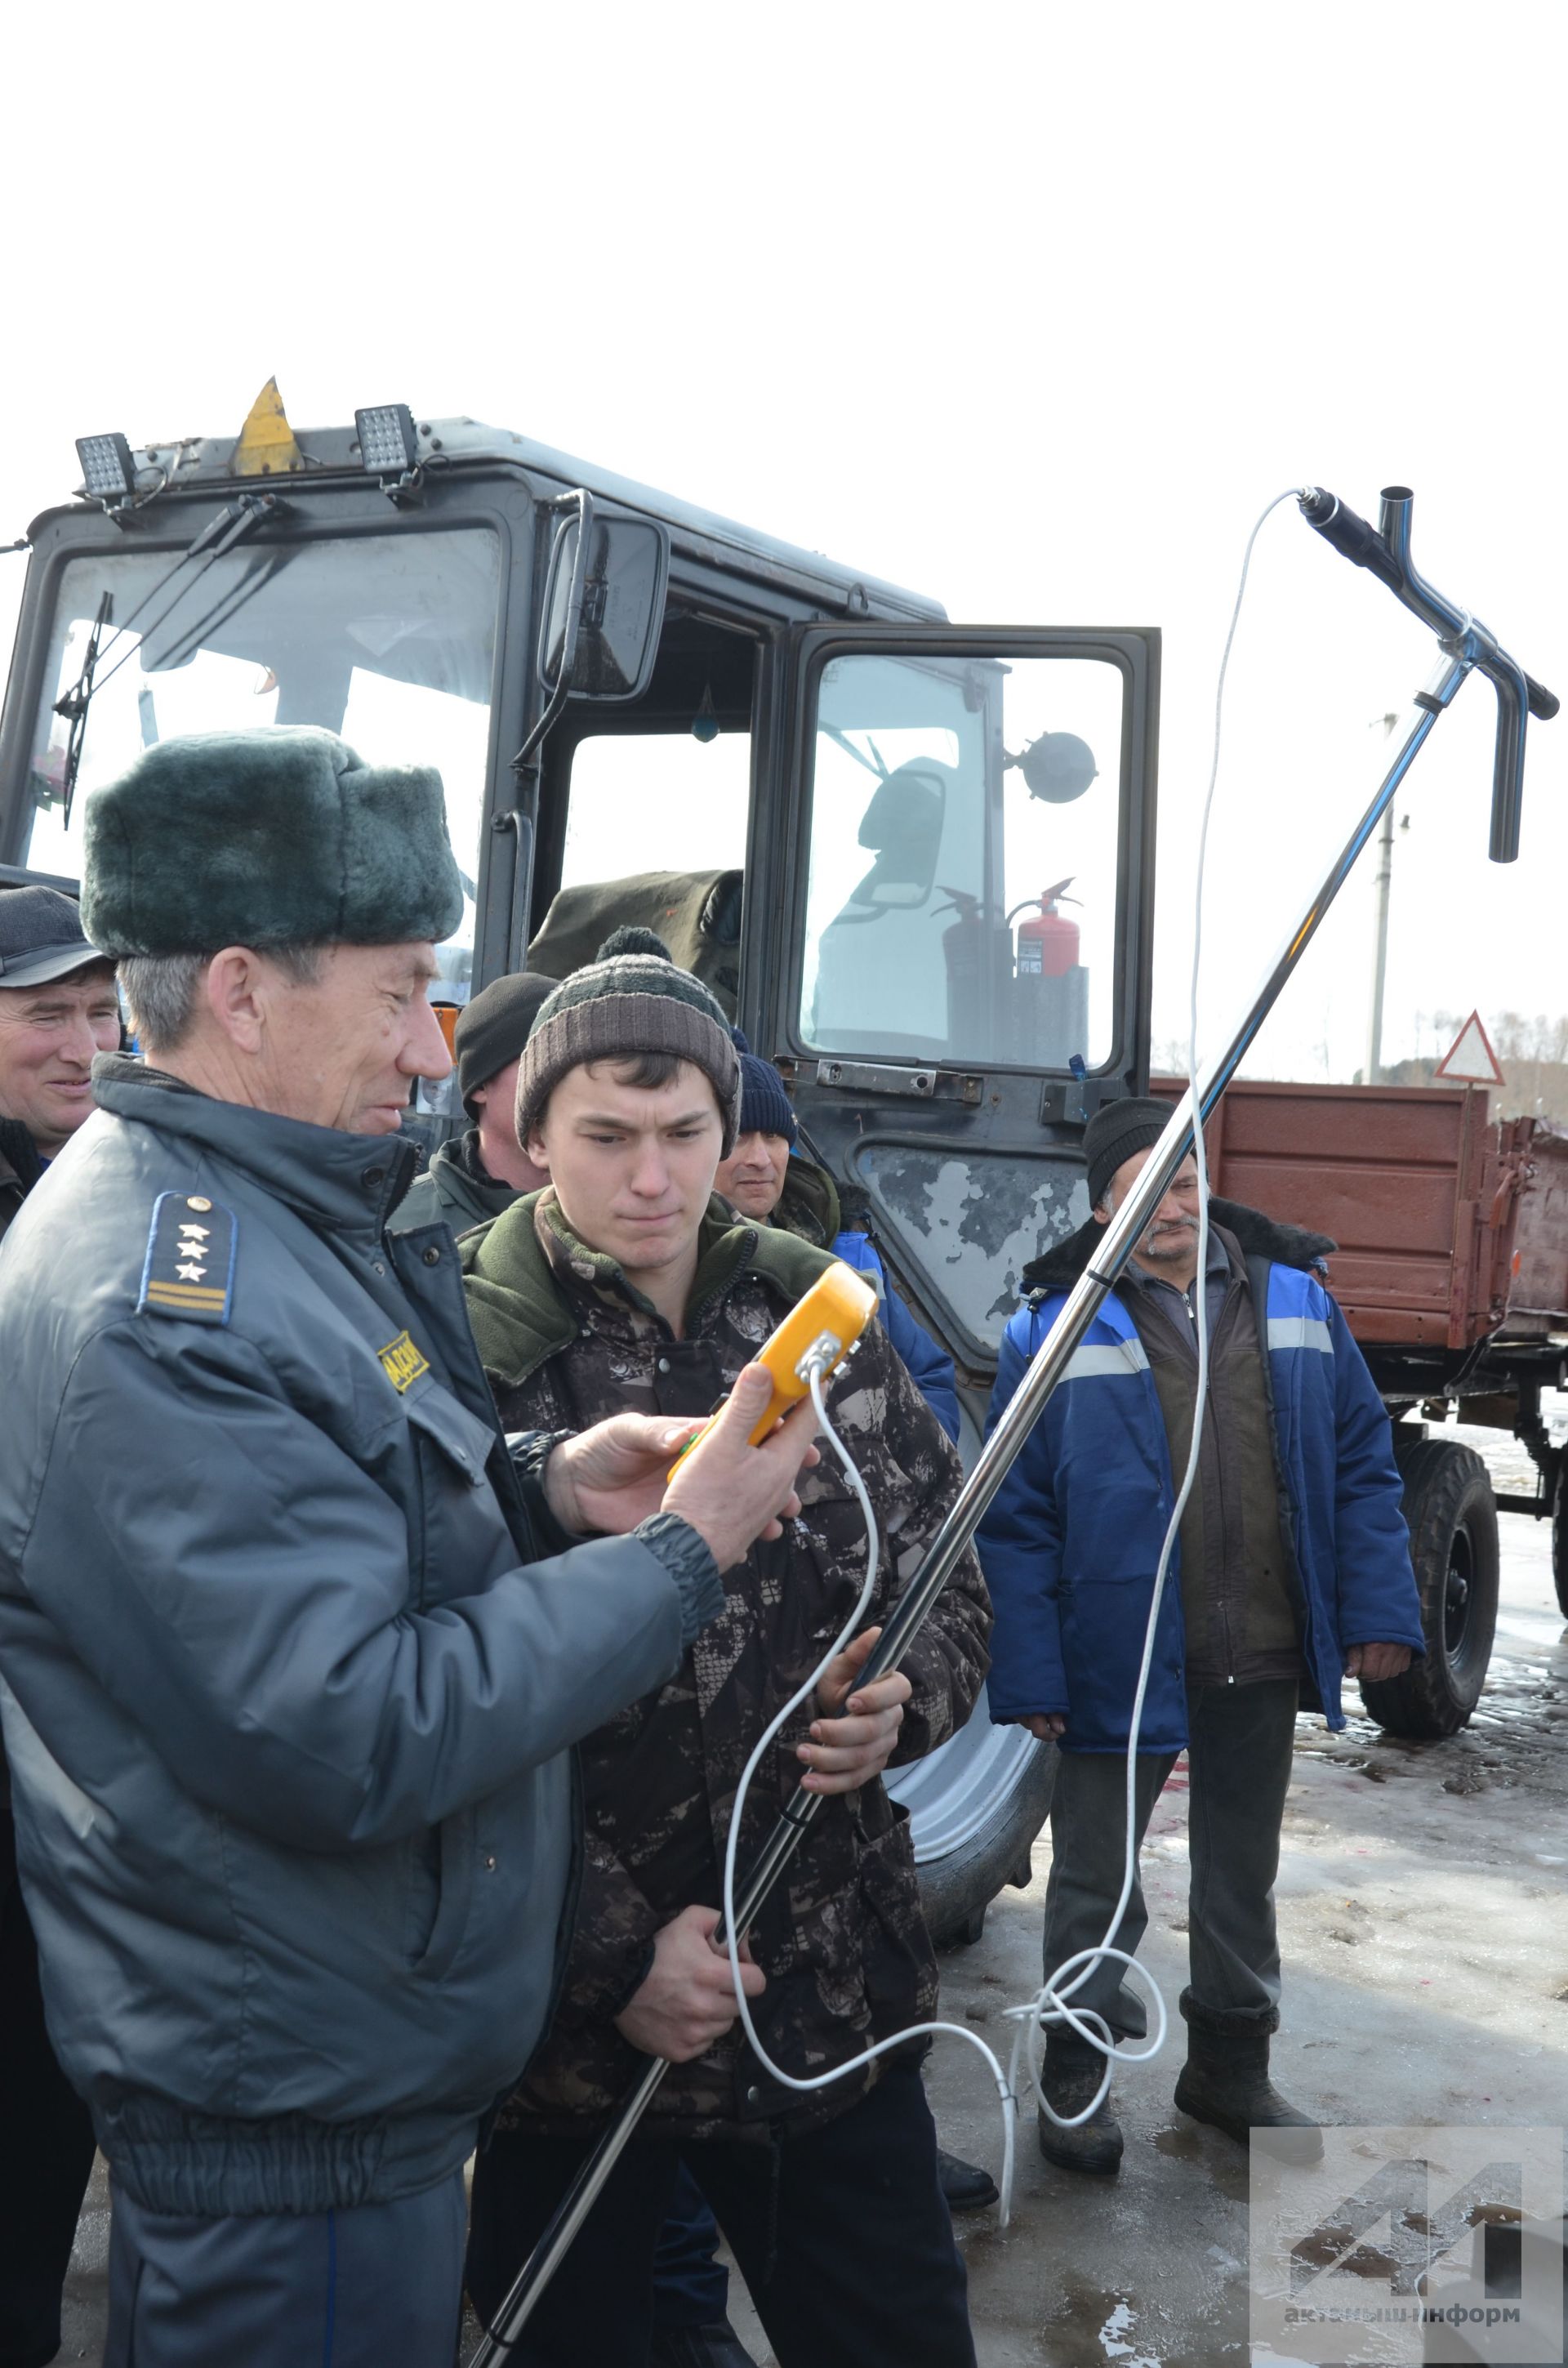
[519,1311]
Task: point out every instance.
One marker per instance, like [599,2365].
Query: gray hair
[160,990]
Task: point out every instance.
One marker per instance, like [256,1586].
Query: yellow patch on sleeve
[402,1362]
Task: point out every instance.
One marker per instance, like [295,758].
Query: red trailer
[1452,1270]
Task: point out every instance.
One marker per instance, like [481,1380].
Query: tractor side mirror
[620,607]
[1058,766]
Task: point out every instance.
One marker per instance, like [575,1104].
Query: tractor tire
[975,1806]
[1560,1536]
[1453,1543]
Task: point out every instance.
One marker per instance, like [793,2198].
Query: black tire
[1453,1543]
[989,1790]
[1560,1536]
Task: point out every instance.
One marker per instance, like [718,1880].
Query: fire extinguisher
[1048,944]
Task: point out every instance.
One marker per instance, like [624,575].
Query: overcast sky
[1033,308]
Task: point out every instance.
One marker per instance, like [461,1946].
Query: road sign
[1470,1060]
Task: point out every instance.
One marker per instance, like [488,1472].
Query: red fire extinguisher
[1048,943]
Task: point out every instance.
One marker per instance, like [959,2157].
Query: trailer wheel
[1560,1537]
[975,1806]
[1453,1543]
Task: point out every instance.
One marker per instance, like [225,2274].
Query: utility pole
[1373,1072]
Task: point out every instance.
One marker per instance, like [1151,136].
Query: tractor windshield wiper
[231,525]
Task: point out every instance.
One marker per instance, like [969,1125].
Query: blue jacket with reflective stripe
[1071,1542]
[930,1368]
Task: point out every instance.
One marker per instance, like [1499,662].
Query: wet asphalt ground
[1424,1914]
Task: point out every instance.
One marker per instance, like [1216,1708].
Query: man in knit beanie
[478,1174]
[1291,1571]
[629,1283]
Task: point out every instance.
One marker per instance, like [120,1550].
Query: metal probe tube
[1122,1234]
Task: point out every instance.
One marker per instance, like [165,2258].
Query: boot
[967,2187]
[717,2346]
[1073,2070]
[1225,2080]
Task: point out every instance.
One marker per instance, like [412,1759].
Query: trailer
[1452,1272]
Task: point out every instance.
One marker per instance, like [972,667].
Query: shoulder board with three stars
[189,1267]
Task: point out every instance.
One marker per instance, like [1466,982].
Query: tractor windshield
[388,639]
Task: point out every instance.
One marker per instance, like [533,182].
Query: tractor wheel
[1453,1543]
[975,1806]
[1560,1537]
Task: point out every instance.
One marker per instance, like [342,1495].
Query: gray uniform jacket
[287,1702]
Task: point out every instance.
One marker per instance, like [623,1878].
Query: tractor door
[949,919]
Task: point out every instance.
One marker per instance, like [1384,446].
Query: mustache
[1174,1226]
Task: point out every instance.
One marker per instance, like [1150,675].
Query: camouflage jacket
[567,1340]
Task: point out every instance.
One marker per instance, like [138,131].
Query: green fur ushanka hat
[633,1000]
[275,837]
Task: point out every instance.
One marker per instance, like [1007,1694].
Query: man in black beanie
[1291,1570]
[474,1176]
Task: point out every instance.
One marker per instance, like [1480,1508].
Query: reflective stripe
[1098,1364]
[1300,1332]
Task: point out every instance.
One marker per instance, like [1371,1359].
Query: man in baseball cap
[58,1007]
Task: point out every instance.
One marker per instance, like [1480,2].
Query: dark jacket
[566,1340]
[288,1697]
[808,1206]
[455,1190]
[1073,1539]
[20,1169]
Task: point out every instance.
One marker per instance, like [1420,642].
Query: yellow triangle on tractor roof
[265,446]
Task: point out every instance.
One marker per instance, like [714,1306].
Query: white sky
[1033,307]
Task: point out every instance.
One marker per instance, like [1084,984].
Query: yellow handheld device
[822,1327]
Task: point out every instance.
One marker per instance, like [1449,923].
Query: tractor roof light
[108,473]
[388,445]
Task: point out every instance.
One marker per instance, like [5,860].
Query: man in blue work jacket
[292,1651]
[1291,1571]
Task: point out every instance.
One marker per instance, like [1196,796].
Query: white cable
[1051,2003]
[732,1841]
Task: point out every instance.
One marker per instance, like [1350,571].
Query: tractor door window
[656,837]
[656,801]
[962,890]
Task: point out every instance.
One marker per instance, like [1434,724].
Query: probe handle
[1544,703]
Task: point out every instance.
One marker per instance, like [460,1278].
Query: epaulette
[189,1267]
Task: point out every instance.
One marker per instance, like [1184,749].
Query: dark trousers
[378,2286]
[1241,1739]
[842,2235]
[691,2286]
[46,2153]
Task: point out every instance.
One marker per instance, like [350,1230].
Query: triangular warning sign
[1470,1060]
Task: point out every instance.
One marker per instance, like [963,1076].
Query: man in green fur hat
[293,1653]
[625,1283]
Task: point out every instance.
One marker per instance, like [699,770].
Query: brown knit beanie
[632,1000]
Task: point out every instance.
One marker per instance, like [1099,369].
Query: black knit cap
[493,1029]
[1117,1132]
[630,999]
[765,1107]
